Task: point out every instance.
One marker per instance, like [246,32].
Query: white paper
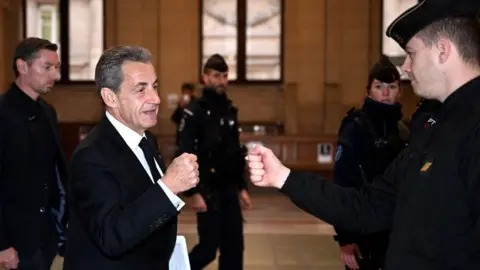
[179,259]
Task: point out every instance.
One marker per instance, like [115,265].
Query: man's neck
[116,115]
[457,79]
[26,89]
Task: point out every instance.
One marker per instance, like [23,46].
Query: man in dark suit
[33,168]
[123,201]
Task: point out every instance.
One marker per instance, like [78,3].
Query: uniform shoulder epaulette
[191,108]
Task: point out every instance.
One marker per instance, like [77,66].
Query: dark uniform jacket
[33,174]
[209,129]
[429,197]
[369,140]
[424,115]
[119,219]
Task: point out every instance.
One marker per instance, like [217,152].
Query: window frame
[64,39]
[241,78]
[396,60]
[54,20]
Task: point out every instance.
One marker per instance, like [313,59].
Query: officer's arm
[346,170]
[241,154]
[3,239]
[470,170]
[242,183]
[348,156]
[186,138]
[177,115]
[365,210]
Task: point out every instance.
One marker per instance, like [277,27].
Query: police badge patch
[338,153]
[181,125]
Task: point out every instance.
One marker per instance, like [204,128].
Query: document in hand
[179,259]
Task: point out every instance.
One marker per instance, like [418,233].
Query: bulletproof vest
[383,147]
[219,132]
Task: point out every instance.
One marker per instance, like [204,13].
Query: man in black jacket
[430,196]
[123,200]
[33,169]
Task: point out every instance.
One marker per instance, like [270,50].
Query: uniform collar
[468,92]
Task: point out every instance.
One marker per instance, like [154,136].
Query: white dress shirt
[132,139]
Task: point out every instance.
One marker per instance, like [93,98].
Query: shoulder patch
[338,153]
[181,126]
[187,111]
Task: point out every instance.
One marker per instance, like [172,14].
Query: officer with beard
[209,129]
[369,140]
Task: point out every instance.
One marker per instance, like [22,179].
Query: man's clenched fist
[182,174]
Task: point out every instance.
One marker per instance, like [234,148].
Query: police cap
[216,62]
[424,13]
[384,71]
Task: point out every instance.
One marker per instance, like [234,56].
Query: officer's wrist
[282,177]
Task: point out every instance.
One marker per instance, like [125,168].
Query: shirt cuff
[176,201]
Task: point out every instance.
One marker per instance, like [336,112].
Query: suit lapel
[126,158]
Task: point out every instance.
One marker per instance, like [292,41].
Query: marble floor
[278,236]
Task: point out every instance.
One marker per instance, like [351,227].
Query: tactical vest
[217,133]
[384,147]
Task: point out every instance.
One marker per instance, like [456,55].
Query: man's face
[387,93]
[422,69]
[42,72]
[216,79]
[187,95]
[137,100]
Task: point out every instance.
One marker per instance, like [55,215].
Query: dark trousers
[43,258]
[221,227]
[373,248]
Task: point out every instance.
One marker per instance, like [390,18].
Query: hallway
[278,236]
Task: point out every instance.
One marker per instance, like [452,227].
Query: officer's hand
[245,200]
[182,174]
[9,258]
[265,168]
[198,203]
[347,255]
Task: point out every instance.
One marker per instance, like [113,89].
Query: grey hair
[108,72]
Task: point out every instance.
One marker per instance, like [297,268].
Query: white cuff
[176,201]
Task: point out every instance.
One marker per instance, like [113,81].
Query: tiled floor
[278,236]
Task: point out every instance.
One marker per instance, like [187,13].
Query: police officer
[209,129]
[429,197]
[369,140]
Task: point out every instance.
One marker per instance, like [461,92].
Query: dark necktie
[150,157]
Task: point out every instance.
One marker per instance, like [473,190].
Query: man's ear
[22,66]
[109,97]
[444,47]
[204,78]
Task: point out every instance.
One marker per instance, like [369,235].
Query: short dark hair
[28,49]
[188,86]
[108,72]
[464,32]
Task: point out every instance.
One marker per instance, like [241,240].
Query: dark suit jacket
[24,219]
[119,219]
